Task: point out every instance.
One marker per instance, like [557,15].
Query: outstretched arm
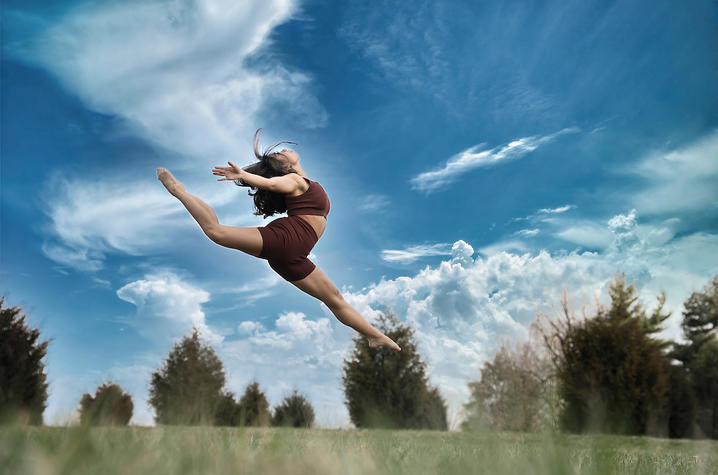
[280,184]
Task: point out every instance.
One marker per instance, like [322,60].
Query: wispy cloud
[544,212]
[474,157]
[89,219]
[560,209]
[373,203]
[176,71]
[527,232]
[682,180]
[412,253]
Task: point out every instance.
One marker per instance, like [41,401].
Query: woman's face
[289,156]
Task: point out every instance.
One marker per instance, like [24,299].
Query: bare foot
[170,182]
[383,340]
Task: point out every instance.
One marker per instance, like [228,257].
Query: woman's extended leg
[248,240]
[319,286]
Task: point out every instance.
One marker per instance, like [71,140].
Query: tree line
[606,372]
[382,390]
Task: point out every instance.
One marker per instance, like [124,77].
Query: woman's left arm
[279,184]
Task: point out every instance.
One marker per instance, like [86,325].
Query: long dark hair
[269,165]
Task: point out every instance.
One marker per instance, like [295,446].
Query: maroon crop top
[313,201]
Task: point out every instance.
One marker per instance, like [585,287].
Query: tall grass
[223,450]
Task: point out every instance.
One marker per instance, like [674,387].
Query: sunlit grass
[222,450]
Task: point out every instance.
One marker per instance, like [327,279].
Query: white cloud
[175,70]
[374,203]
[90,219]
[679,181]
[299,352]
[585,233]
[545,214]
[560,209]
[503,246]
[412,253]
[527,232]
[474,157]
[167,307]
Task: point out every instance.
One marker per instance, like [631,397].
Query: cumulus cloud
[167,307]
[461,309]
[176,70]
[474,157]
[297,352]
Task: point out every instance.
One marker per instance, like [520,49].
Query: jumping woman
[281,185]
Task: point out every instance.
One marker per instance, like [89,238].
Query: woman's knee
[334,299]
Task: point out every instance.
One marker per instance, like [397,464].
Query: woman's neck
[299,170]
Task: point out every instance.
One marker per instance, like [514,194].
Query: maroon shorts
[287,242]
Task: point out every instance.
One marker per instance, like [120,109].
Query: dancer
[281,185]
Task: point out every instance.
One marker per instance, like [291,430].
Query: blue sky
[480,158]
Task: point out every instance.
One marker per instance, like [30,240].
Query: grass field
[220,450]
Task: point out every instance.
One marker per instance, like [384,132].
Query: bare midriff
[319,223]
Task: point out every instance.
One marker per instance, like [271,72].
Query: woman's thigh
[318,285]
[248,240]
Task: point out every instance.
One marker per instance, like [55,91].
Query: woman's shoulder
[303,183]
[300,179]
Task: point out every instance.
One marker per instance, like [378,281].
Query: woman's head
[270,164]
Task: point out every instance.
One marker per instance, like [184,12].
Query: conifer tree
[23,386]
[188,388]
[612,374]
[254,407]
[387,389]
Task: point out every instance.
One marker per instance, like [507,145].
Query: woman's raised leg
[248,240]
[319,286]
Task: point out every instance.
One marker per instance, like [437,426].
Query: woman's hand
[232,172]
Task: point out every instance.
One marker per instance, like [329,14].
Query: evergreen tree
[188,388]
[23,386]
[294,411]
[700,356]
[700,321]
[110,406]
[254,407]
[704,378]
[228,411]
[681,410]
[387,389]
[612,374]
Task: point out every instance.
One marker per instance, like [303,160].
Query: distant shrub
[110,406]
[254,407]
[294,411]
[515,392]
